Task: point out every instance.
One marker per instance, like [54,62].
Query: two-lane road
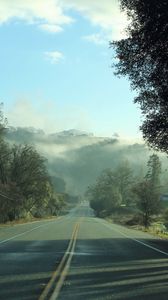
[80,257]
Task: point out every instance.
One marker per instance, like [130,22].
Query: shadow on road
[101,269]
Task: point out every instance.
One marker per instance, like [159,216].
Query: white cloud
[96,38]
[106,14]
[50,15]
[51,28]
[54,56]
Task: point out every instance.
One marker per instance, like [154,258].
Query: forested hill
[79,157]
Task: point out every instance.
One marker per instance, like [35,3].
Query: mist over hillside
[76,158]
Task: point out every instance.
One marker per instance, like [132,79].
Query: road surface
[80,257]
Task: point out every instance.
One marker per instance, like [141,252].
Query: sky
[56,69]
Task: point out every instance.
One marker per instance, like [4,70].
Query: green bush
[166,218]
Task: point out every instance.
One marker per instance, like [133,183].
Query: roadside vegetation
[26,189]
[143,58]
[128,199]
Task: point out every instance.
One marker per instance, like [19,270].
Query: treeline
[26,188]
[120,189]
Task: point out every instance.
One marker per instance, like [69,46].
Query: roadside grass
[26,221]
[131,218]
[30,219]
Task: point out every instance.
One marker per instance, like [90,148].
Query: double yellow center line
[51,292]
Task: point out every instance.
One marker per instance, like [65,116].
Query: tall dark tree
[148,190]
[124,180]
[3,122]
[143,57]
[4,148]
[154,171]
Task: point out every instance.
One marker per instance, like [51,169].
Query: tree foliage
[148,190]
[143,57]
[154,171]
[28,171]
[111,189]
[119,190]
[3,122]
[25,185]
[124,180]
[104,195]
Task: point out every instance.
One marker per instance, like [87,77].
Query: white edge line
[20,234]
[133,239]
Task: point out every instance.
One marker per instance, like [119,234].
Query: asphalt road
[80,257]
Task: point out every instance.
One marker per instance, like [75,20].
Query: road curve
[80,257]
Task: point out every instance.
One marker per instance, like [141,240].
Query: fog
[76,158]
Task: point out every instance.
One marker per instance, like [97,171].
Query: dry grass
[133,221]
[26,221]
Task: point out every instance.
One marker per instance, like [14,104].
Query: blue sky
[55,67]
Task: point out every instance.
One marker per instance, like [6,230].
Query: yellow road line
[66,269]
[62,270]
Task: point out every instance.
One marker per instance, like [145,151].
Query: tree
[104,195]
[148,190]
[29,173]
[143,57]
[3,122]
[4,149]
[25,185]
[10,202]
[56,203]
[124,179]
[154,171]
[5,154]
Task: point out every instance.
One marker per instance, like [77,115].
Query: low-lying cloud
[78,158]
[47,115]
